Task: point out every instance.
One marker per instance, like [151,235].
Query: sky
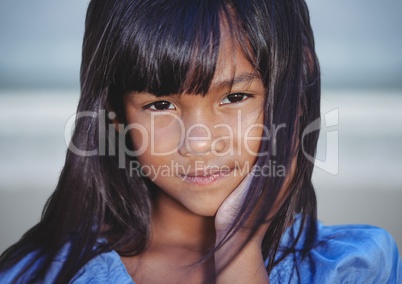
[358,43]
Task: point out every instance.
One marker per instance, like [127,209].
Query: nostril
[198,145]
[218,145]
[198,140]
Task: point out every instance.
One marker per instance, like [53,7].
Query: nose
[201,138]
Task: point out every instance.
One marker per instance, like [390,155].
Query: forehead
[232,65]
[184,59]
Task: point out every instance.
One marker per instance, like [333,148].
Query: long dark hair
[168,47]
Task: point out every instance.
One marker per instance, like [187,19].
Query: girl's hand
[234,262]
[230,208]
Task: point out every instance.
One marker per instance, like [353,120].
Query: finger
[241,190]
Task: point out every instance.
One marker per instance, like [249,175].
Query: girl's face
[196,148]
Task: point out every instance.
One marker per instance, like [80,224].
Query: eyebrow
[222,84]
[242,78]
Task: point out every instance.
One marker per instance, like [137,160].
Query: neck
[175,225]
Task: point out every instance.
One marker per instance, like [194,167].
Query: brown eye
[235,98]
[160,105]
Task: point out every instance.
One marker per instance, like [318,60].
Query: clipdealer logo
[330,135]
[328,127]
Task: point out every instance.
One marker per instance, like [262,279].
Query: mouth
[205,178]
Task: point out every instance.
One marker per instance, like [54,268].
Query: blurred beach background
[359,45]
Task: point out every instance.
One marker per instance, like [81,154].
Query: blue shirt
[348,254]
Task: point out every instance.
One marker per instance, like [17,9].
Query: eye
[160,105]
[234,98]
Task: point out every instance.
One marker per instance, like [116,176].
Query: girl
[187,163]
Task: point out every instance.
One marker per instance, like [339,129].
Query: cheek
[139,138]
[157,136]
[252,131]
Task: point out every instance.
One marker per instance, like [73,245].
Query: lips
[205,178]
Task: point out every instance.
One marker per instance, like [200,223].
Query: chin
[205,210]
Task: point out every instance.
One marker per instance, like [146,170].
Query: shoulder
[10,274]
[347,254]
[105,268]
[359,253]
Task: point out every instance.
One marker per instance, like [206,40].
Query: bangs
[171,48]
